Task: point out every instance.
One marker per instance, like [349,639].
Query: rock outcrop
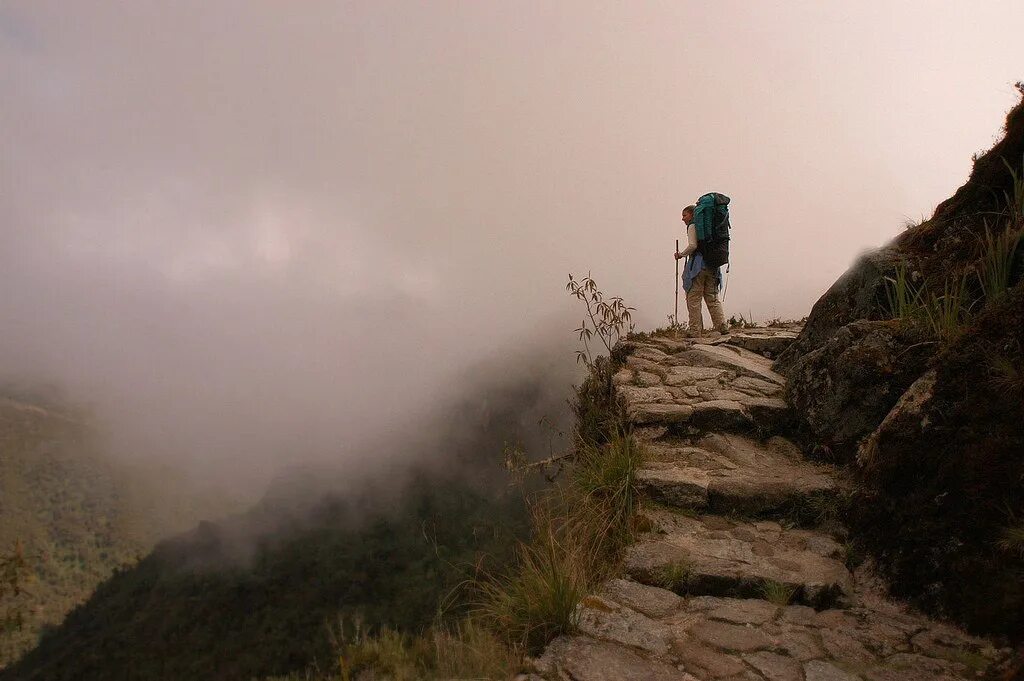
[724,584]
[846,386]
[933,426]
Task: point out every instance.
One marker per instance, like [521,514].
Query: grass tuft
[675,577]
[580,528]
[1006,375]
[997,260]
[537,600]
[1011,540]
[777,593]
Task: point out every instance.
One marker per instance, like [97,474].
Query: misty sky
[253,232]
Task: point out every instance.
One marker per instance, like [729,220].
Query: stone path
[726,583]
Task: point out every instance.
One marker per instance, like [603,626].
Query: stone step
[726,356]
[768,345]
[718,556]
[632,631]
[740,394]
[734,474]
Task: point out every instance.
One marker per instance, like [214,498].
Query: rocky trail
[743,572]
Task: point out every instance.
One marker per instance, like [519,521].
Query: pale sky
[245,227]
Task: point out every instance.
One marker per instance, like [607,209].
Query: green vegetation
[741,322]
[461,651]
[1011,540]
[608,320]
[941,315]
[13,573]
[579,529]
[1006,375]
[675,577]
[582,524]
[77,514]
[199,607]
[777,593]
[944,315]
[419,569]
[997,261]
[1015,196]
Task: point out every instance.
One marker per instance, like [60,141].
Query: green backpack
[711,218]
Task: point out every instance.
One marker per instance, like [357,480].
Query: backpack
[711,218]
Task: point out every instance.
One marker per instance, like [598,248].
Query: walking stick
[677,284]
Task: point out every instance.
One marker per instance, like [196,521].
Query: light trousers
[704,287]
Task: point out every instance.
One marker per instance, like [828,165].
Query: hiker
[702,279]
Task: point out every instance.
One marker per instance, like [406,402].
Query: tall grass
[1005,375]
[946,314]
[580,527]
[997,260]
[464,650]
[1015,197]
[942,315]
[538,599]
[903,295]
[604,480]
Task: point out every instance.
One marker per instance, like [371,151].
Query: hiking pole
[676,318]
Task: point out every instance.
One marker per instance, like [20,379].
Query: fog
[256,234]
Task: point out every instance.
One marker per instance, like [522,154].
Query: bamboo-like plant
[608,319]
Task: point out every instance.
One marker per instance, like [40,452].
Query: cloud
[254,234]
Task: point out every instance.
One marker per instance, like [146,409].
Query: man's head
[688,215]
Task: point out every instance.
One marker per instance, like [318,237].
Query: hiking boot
[722,328]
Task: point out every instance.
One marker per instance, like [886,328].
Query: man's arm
[691,242]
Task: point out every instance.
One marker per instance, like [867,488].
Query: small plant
[741,322]
[538,599]
[946,314]
[903,296]
[1015,197]
[461,650]
[1006,375]
[823,511]
[1011,540]
[386,652]
[853,556]
[607,319]
[675,577]
[997,260]
[942,316]
[777,593]
[605,480]
[468,650]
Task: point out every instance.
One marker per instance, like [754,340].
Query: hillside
[77,513]
[195,609]
[259,593]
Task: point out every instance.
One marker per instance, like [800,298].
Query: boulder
[858,294]
[842,390]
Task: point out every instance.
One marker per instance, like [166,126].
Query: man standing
[700,282]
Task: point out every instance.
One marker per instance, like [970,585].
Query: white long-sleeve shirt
[691,241]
